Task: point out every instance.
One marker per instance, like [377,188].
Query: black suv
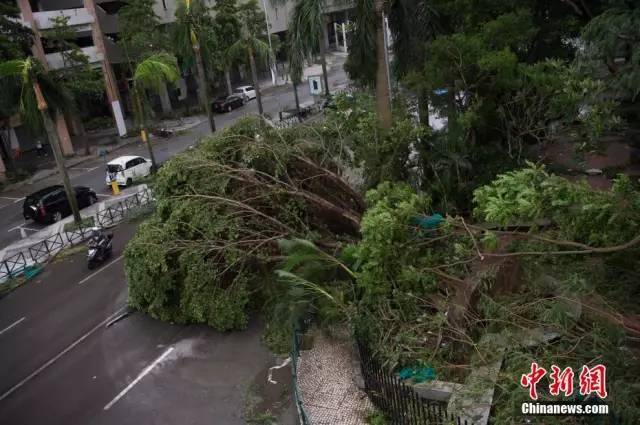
[50,204]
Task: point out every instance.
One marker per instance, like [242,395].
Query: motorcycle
[165,133]
[99,249]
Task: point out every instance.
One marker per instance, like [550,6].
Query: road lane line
[102,269]
[142,375]
[16,323]
[104,195]
[57,356]
[11,198]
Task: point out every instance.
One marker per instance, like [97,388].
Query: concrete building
[87,19]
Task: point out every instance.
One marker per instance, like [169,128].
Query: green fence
[295,355]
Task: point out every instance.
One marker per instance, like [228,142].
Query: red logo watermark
[591,380]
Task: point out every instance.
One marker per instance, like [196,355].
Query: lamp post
[272,66]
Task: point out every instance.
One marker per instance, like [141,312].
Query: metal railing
[295,356]
[41,251]
[399,402]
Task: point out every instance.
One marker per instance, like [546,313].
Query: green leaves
[155,71]
[580,213]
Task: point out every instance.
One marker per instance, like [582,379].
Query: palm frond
[237,52]
[307,21]
[361,64]
[261,49]
[155,71]
[17,68]
[22,74]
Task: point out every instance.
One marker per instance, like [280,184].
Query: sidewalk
[47,168]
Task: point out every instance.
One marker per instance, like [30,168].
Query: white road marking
[91,169]
[103,195]
[102,269]
[12,198]
[57,356]
[22,227]
[16,323]
[18,200]
[138,378]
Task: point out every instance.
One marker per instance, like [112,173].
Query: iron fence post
[6,266]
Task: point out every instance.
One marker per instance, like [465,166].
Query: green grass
[11,284]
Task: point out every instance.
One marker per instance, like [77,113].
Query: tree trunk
[57,154]
[254,77]
[323,60]
[383,97]
[227,77]
[143,131]
[423,106]
[83,133]
[295,95]
[203,91]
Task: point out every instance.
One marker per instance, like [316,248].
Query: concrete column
[38,53]
[344,37]
[27,16]
[165,101]
[109,79]
[337,33]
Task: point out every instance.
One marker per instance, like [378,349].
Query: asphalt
[62,364]
[91,173]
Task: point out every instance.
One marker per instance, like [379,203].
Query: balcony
[56,61]
[80,19]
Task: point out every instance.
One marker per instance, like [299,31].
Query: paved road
[60,362]
[91,173]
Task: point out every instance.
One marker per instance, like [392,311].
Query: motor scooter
[99,250]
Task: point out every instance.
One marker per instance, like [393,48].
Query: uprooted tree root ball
[221,208]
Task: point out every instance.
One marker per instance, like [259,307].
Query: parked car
[126,169]
[247,92]
[50,204]
[227,103]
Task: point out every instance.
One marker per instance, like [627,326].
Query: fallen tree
[221,208]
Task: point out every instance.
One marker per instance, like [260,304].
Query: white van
[125,169]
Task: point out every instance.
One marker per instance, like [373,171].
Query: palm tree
[39,97]
[308,31]
[152,74]
[296,61]
[189,15]
[227,32]
[248,47]
[413,24]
